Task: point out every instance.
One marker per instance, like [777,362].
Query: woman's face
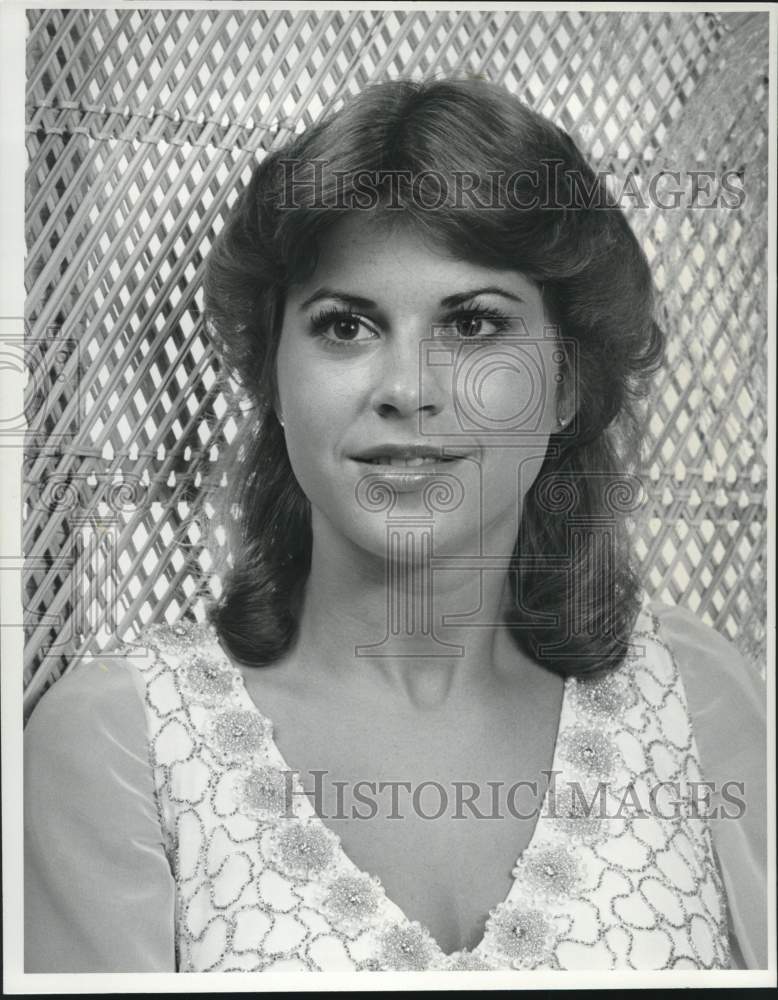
[415,387]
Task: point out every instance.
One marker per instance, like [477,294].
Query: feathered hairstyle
[541,210]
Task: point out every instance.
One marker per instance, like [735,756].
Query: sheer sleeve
[727,703]
[99,893]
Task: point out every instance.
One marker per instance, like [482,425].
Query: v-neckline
[310,814]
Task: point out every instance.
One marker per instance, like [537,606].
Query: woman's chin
[412,539]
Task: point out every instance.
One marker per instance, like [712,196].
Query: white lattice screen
[139,121]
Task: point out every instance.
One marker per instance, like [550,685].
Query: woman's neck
[419,628]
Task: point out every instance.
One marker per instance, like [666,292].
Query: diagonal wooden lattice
[140,120]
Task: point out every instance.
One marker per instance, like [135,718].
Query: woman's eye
[469,326]
[342,328]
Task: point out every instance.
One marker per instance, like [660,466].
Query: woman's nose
[406,384]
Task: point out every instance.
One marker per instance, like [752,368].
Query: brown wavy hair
[576,593]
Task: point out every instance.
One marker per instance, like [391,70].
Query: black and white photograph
[388,496]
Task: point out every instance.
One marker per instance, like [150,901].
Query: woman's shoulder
[165,644]
[711,666]
[87,739]
[100,692]
[685,628]
[113,686]
[725,695]
[104,697]
[115,691]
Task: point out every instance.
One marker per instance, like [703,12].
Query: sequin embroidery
[263,884]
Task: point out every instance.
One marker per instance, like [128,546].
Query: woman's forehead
[390,252]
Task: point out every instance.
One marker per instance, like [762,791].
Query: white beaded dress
[165,832]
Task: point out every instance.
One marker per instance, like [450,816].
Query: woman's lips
[407,473]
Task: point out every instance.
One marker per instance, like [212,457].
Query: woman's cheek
[502,391]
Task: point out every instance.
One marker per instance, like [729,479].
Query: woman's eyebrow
[331,293]
[460,297]
[363,303]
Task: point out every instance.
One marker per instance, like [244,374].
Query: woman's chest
[260,887]
[443,849]
[438,809]
[263,882]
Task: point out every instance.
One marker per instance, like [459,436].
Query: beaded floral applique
[525,936]
[262,883]
[407,946]
[264,792]
[352,899]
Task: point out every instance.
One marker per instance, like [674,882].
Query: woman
[433,723]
